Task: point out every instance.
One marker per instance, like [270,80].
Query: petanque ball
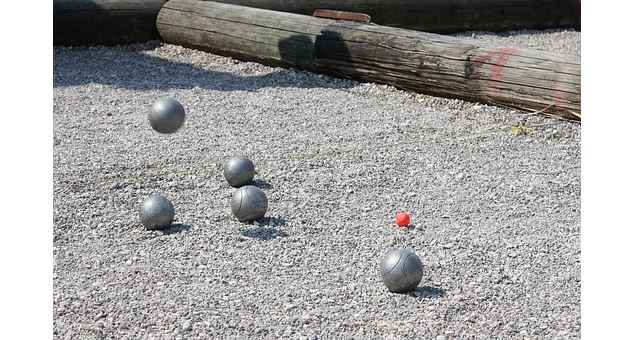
[249,203]
[156,212]
[239,171]
[166,115]
[401,270]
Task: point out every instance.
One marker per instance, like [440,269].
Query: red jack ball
[402,219]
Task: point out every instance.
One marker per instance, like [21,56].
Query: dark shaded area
[129,67]
[297,51]
[443,16]
[264,233]
[273,221]
[262,184]
[331,51]
[80,22]
[405,228]
[177,228]
[428,292]
[266,229]
[86,22]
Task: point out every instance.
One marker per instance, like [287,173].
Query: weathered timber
[522,78]
[442,16]
[84,22]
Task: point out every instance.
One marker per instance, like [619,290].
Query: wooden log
[424,62]
[442,16]
[80,22]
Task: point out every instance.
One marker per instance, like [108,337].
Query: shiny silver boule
[239,171]
[249,203]
[166,115]
[401,270]
[156,212]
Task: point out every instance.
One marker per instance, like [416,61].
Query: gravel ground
[496,214]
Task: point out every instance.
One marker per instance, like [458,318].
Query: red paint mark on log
[503,57]
[559,96]
[498,58]
[339,15]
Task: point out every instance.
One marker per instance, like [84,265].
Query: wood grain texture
[424,62]
[84,22]
[442,16]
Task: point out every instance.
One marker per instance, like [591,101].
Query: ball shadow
[177,228]
[428,292]
[264,233]
[406,228]
[264,185]
[273,221]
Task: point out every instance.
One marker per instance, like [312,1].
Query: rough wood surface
[79,22]
[442,16]
[424,62]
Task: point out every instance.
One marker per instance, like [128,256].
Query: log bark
[442,16]
[452,67]
[85,22]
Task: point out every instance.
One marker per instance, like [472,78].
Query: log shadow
[134,67]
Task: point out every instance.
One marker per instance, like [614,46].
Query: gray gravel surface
[496,214]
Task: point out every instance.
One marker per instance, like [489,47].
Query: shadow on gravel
[427,292]
[264,233]
[129,67]
[264,185]
[177,228]
[273,221]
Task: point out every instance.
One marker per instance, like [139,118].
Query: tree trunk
[424,62]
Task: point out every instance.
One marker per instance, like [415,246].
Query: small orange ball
[402,219]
